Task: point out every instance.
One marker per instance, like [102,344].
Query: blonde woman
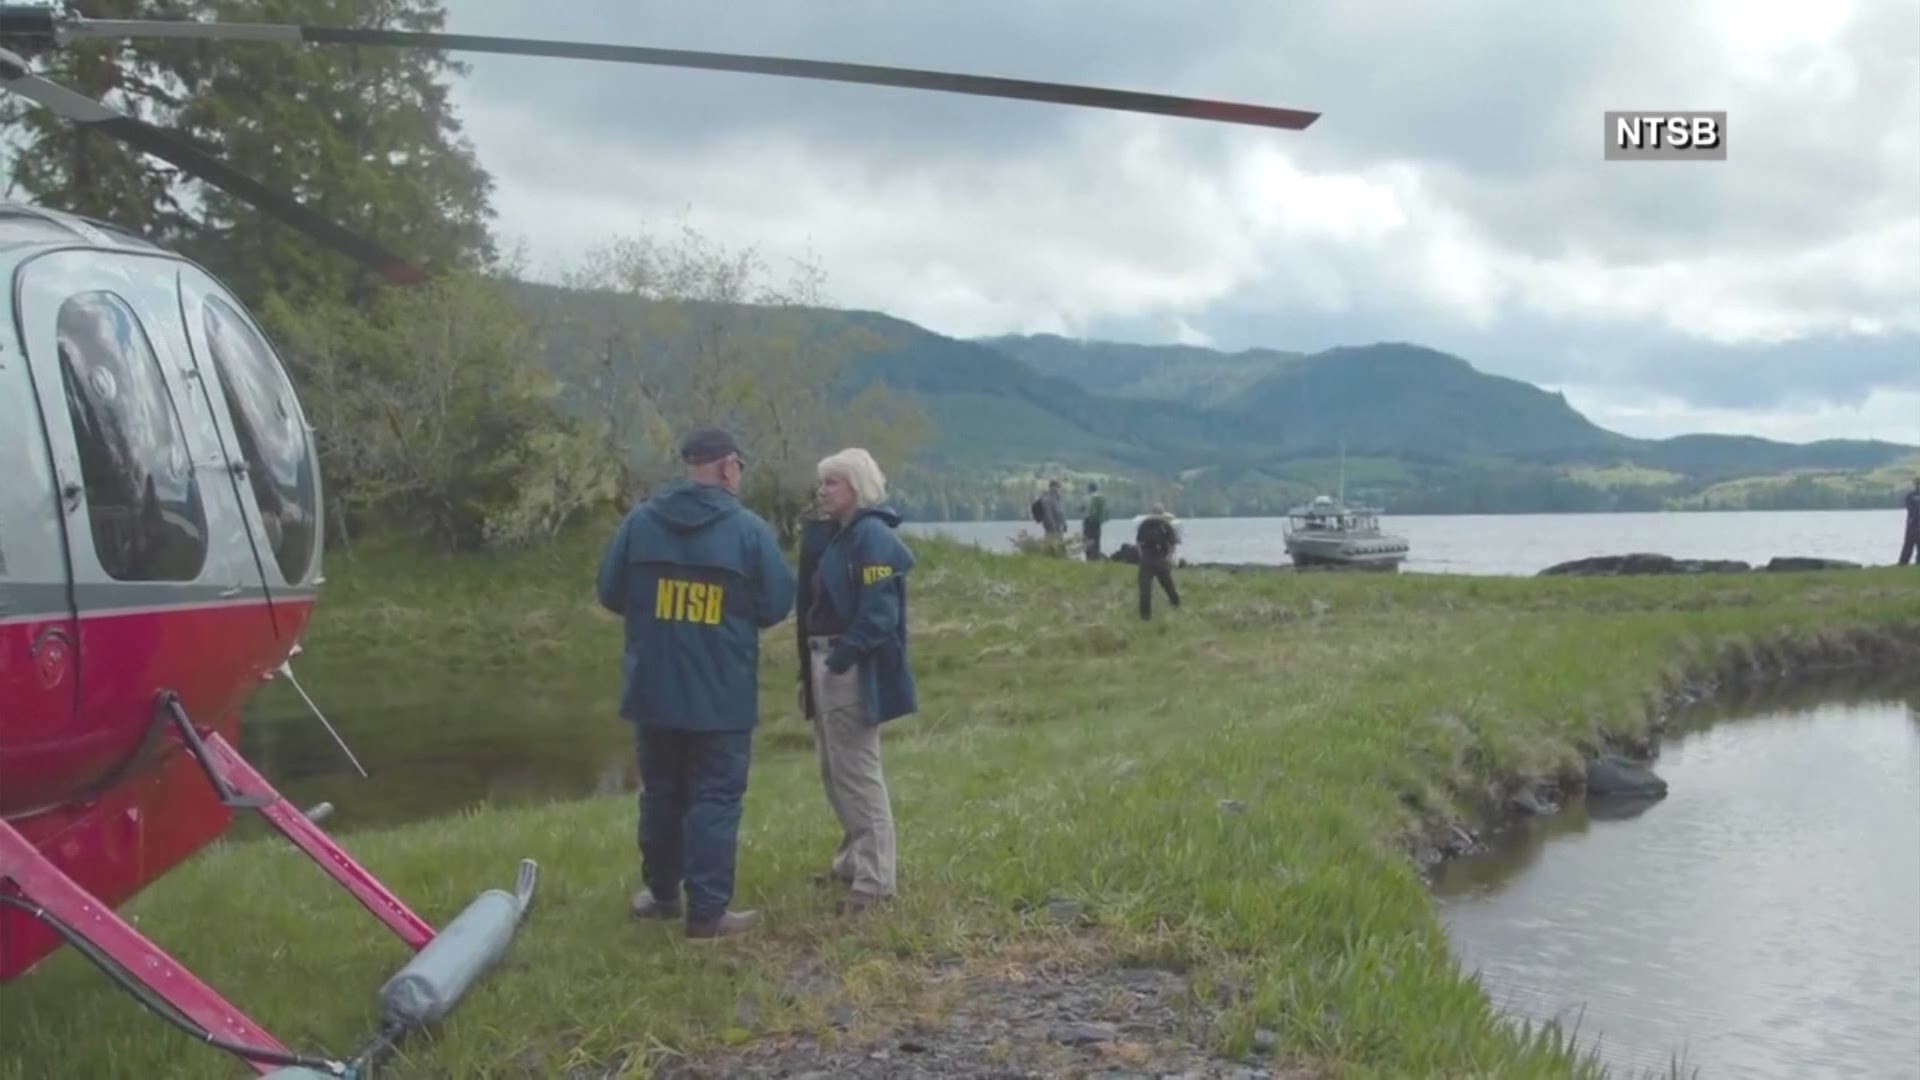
[852,611]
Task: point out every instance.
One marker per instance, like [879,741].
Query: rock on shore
[1615,775]
[1651,563]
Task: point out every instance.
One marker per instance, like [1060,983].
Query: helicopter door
[276,475]
[39,684]
[164,583]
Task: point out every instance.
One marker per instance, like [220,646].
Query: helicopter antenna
[286,668]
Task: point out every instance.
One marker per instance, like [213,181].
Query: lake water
[1763,920]
[1524,544]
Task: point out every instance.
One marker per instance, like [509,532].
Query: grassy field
[1065,750]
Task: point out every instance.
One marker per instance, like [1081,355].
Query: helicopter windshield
[271,435]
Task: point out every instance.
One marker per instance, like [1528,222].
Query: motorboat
[1328,533]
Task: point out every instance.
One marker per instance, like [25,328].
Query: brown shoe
[648,906]
[727,925]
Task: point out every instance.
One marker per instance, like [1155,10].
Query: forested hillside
[1251,432]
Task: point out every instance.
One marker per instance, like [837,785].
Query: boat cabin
[1325,515]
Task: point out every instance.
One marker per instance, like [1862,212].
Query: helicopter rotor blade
[1231,112]
[17,78]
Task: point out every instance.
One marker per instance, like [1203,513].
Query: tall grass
[1231,788]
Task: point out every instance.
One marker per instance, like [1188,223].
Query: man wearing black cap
[697,577]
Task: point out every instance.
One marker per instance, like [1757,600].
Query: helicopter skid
[308,837]
[40,883]
[27,874]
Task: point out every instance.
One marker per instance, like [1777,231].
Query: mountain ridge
[1254,431]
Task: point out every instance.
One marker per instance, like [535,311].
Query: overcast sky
[1453,193]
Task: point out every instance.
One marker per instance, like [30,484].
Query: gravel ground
[1110,1022]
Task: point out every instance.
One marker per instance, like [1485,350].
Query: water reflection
[464,739]
[439,754]
[1762,920]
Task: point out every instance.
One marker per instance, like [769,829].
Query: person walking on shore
[1911,546]
[1156,538]
[696,576]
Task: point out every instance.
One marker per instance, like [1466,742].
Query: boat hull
[1347,554]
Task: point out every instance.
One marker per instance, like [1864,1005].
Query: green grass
[1888,482]
[1064,749]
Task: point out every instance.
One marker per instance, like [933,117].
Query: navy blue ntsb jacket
[698,576]
[863,571]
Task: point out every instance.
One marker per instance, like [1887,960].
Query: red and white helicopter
[160,542]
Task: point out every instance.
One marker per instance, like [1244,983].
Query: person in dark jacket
[697,577]
[1053,515]
[1156,539]
[853,621]
[817,527]
[1911,546]
[1096,517]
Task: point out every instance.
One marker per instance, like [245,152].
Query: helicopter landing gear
[238,785]
[32,884]
[136,964]
[167,705]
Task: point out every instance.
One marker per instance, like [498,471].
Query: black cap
[707,444]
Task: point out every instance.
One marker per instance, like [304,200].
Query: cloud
[1453,193]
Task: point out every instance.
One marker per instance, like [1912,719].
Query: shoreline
[1788,659]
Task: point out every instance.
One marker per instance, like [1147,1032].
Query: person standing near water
[854,621]
[1911,546]
[697,576]
[1096,517]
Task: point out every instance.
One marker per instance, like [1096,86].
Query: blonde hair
[861,473]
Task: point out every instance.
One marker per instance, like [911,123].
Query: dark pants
[1911,545]
[1152,570]
[691,784]
[1092,534]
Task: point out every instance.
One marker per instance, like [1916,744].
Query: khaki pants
[850,768]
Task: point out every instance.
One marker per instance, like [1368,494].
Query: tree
[701,334]
[433,415]
[365,137]
[68,166]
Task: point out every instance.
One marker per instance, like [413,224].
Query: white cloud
[1454,189]
[1185,333]
[1892,416]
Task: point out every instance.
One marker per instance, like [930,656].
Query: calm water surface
[1521,544]
[1761,921]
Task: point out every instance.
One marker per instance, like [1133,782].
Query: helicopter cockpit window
[272,437]
[142,498]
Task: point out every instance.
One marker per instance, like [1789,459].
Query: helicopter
[161,540]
